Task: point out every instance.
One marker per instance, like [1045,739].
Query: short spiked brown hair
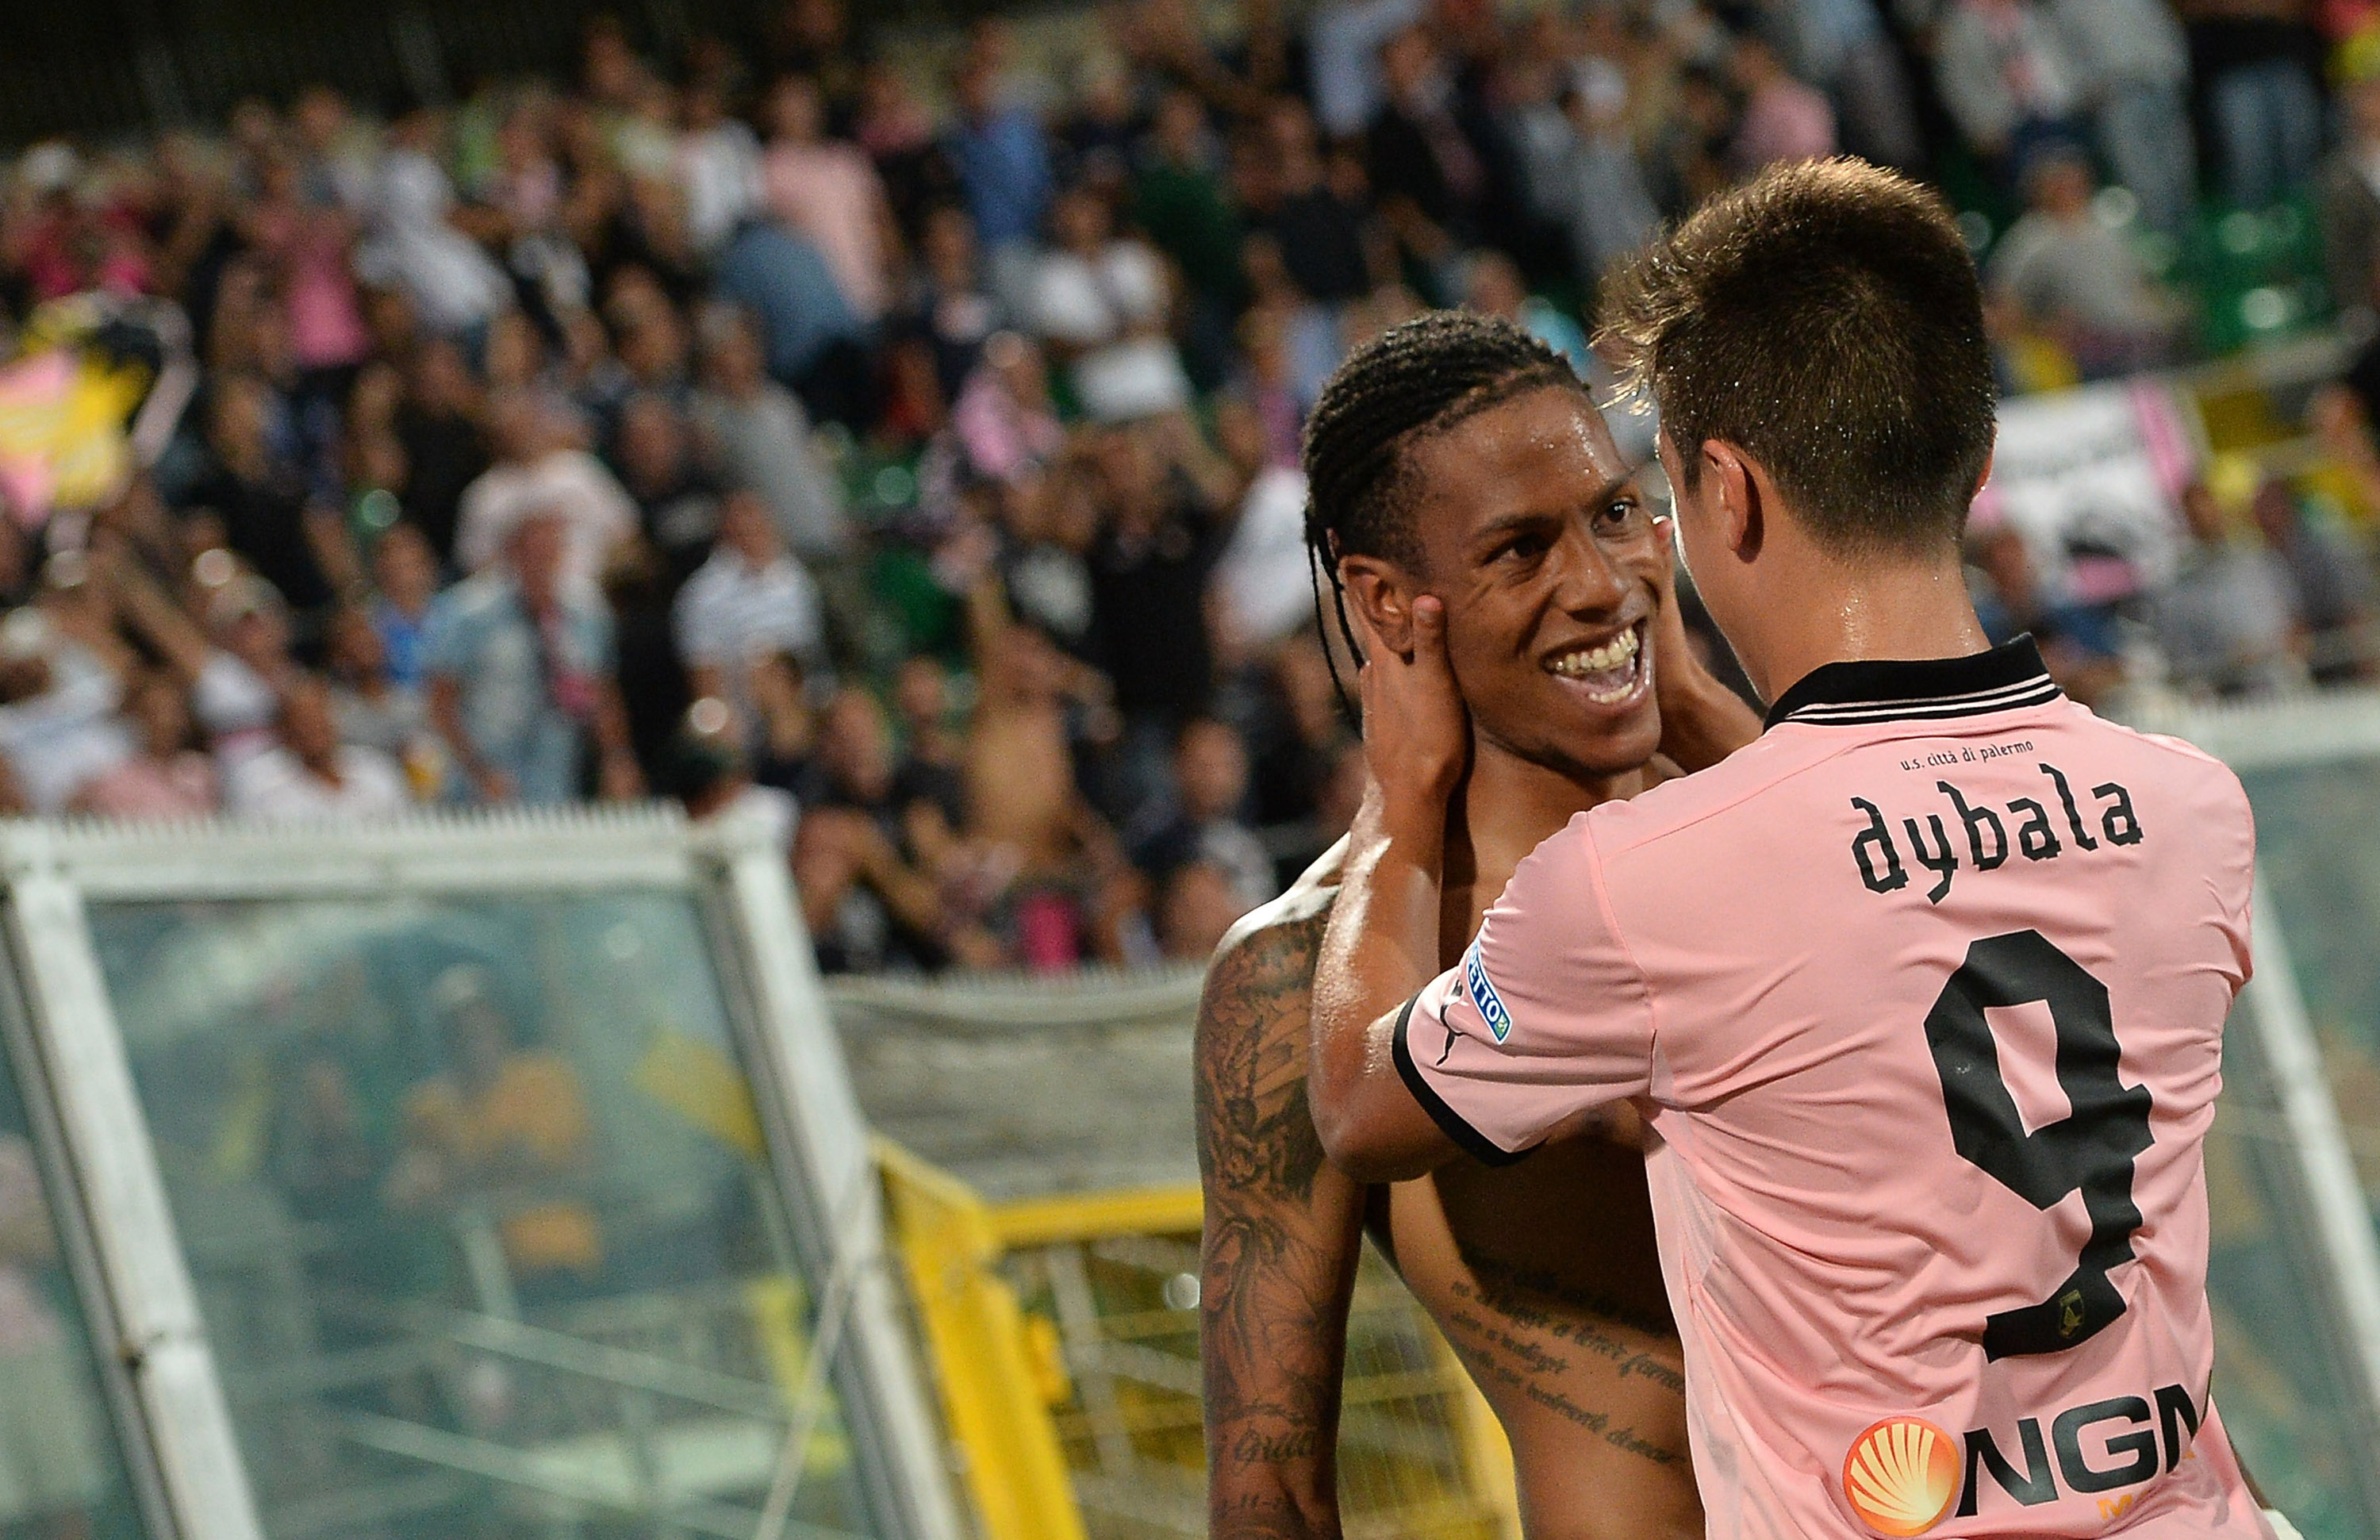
[1824,318]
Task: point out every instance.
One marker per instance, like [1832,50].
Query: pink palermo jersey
[1924,995]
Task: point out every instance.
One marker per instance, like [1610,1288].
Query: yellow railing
[1064,1336]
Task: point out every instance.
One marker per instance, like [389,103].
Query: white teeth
[1618,653]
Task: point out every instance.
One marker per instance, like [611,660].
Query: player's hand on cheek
[1702,720]
[1416,732]
[1674,664]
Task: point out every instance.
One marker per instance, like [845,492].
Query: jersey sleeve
[2238,879]
[1545,1016]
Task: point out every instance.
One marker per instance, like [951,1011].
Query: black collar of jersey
[1929,689]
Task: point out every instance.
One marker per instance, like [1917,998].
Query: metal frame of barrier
[2335,1217]
[1003,1370]
[164,1382]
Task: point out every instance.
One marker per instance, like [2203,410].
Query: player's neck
[1845,613]
[1507,807]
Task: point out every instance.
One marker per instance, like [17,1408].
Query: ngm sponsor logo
[1904,1476]
[1484,996]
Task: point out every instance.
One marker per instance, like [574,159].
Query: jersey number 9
[2091,1149]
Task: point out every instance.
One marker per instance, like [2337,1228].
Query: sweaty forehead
[1547,450]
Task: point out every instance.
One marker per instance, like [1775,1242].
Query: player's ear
[1737,493]
[1384,595]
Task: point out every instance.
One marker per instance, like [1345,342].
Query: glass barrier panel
[2318,848]
[476,1203]
[62,1471]
[2318,842]
[1119,1316]
[2277,1374]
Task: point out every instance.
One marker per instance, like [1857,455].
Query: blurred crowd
[899,442]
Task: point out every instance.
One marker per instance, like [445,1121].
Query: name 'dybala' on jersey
[1986,835]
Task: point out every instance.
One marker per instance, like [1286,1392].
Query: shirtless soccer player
[1457,457]
[1922,994]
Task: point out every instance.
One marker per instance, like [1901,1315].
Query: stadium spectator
[59,729]
[1263,582]
[948,304]
[921,694]
[2345,472]
[1318,232]
[334,154]
[444,447]
[1269,386]
[2131,66]
[518,664]
[1003,423]
[760,437]
[521,207]
[1203,823]
[372,709]
[1844,48]
[233,666]
[2251,60]
[1496,288]
[2062,272]
[1018,379]
[2351,202]
[829,190]
[2331,586]
[414,242]
[2226,621]
[782,735]
[719,164]
[1001,161]
[1783,119]
[542,472]
[1425,153]
[710,774]
[2008,79]
[1100,300]
[1587,175]
[868,892]
[1150,568]
[308,247]
[1060,878]
[309,775]
[1199,904]
[167,775]
[263,501]
[677,504]
[749,599]
[405,580]
[807,329]
[2080,643]
[1344,40]
[888,121]
[1038,543]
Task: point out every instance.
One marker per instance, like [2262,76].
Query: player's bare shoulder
[1256,1132]
[1282,925]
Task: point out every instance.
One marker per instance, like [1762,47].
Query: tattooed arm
[1283,1231]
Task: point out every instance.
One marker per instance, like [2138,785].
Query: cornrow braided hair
[1421,377]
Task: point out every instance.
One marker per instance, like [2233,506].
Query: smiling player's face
[1553,570]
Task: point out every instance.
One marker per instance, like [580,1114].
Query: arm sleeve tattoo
[1283,1231]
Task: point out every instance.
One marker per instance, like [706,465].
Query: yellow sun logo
[1901,1476]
